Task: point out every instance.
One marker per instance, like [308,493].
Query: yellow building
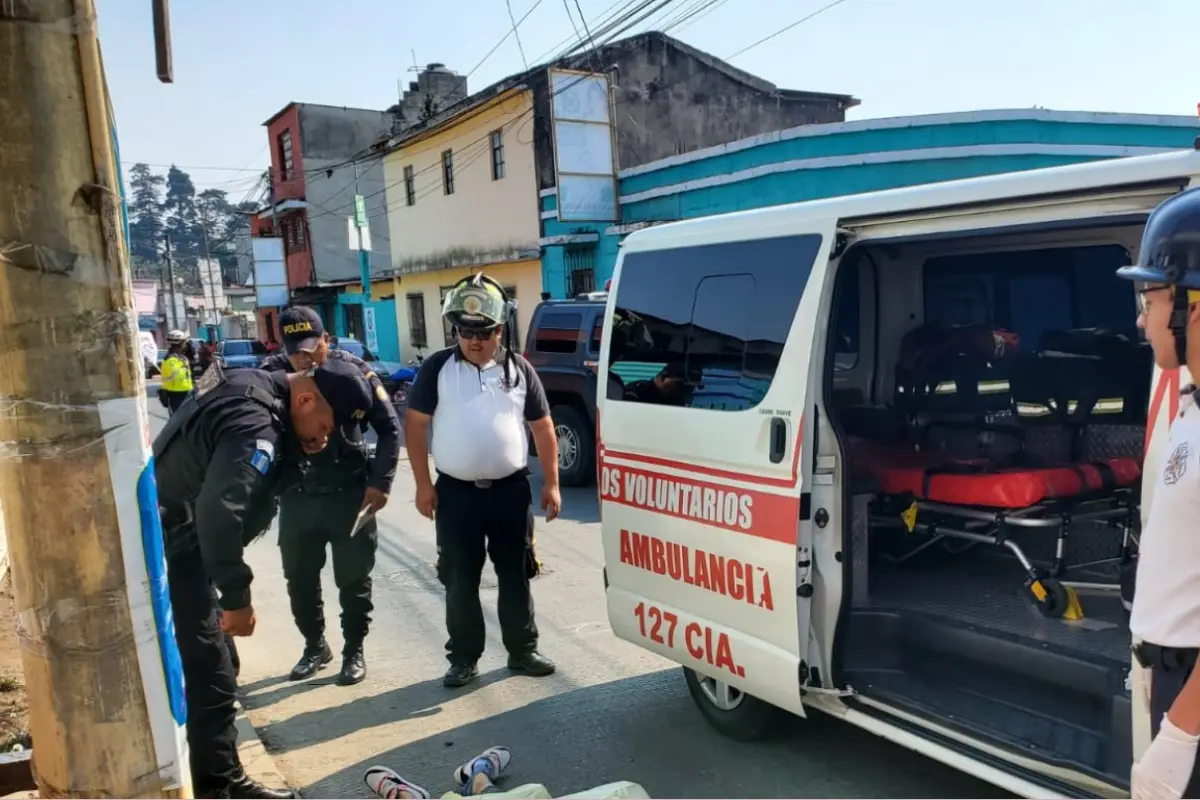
[462,198]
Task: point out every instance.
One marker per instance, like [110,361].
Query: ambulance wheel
[734,713]
[576,446]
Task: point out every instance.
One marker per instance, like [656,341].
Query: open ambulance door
[703,497]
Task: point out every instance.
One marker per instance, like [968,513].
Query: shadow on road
[646,729]
[329,723]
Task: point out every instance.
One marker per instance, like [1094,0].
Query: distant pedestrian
[481,395]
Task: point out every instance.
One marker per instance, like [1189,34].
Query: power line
[785,29]
[513,20]
[504,39]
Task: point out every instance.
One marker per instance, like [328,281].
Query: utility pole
[88,575]
[360,237]
[171,283]
[212,287]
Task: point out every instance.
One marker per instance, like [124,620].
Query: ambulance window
[705,327]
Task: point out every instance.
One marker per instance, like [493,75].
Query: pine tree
[146,223]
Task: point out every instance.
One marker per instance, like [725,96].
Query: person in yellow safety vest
[176,371]
[478,777]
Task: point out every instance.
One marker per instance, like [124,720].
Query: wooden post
[97,643]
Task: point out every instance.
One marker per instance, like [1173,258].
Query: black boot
[354,665]
[532,663]
[460,675]
[316,656]
[243,786]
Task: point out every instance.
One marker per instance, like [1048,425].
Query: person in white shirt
[480,396]
[1165,618]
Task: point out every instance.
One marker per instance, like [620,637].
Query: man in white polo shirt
[480,395]
[1165,619]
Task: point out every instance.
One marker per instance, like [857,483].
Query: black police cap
[301,327]
[345,389]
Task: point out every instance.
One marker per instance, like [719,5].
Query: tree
[146,223]
[179,208]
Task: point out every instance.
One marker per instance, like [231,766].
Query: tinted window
[597,333]
[239,348]
[558,332]
[1033,291]
[352,347]
[705,327]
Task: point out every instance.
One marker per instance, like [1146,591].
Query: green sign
[360,211]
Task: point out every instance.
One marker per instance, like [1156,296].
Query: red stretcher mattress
[963,482]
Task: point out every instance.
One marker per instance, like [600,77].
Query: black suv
[563,345]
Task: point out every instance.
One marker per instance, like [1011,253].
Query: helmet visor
[474,306]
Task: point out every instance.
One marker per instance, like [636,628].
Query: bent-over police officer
[320,511]
[218,465]
[480,395]
[1165,617]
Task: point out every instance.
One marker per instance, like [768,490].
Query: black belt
[1168,658]
[487,483]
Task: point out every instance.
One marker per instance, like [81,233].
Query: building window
[580,263]
[299,223]
[448,172]
[447,328]
[410,186]
[497,155]
[417,334]
[287,167]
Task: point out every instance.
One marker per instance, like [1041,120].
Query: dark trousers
[474,524]
[1169,670]
[308,524]
[175,400]
[230,644]
[209,681]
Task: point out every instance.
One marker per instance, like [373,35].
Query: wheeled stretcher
[985,501]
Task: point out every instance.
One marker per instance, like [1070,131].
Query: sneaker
[478,774]
[388,784]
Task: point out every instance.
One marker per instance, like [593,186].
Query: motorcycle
[401,381]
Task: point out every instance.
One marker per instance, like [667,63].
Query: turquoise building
[814,161]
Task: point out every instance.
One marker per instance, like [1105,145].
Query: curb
[254,756]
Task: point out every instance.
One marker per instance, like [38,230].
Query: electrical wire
[785,29]
[513,20]
[504,38]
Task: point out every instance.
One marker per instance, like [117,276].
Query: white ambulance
[879,456]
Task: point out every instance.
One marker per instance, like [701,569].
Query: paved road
[612,712]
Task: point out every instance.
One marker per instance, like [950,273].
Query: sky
[237,62]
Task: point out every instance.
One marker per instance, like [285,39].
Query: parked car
[563,346]
[239,353]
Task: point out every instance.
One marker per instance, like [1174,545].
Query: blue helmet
[1170,249]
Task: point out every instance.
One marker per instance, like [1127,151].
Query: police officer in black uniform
[218,465]
[322,509]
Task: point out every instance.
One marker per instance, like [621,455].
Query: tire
[576,447]
[747,720]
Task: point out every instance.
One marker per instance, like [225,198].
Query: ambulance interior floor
[952,636]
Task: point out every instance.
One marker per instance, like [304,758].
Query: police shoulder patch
[381,393]
[264,456]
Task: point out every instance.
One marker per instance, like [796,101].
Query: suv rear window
[597,333]
[705,327]
[558,332]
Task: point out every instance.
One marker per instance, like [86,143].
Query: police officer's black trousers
[230,644]
[175,400]
[209,681]
[473,524]
[310,523]
[1170,668]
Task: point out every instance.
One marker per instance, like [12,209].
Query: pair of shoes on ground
[317,655]
[532,663]
[472,778]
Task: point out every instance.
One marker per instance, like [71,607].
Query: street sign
[360,211]
[370,329]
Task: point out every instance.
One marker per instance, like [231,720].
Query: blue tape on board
[160,593]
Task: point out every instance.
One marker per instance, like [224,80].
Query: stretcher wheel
[1052,599]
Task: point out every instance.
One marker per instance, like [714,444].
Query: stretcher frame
[1118,508]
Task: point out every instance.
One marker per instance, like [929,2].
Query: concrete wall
[330,201]
[484,220]
[525,276]
[810,162]
[671,98]
[387,348]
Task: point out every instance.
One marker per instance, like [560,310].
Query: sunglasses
[476,333]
